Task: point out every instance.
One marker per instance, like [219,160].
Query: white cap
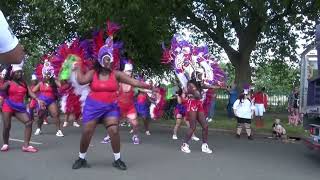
[3,73]
[246,91]
[128,67]
[16,67]
[33,77]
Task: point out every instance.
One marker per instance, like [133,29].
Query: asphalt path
[158,157]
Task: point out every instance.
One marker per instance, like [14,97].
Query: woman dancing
[196,114]
[180,113]
[14,105]
[126,104]
[48,91]
[70,103]
[195,68]
[143,109]
[101,104]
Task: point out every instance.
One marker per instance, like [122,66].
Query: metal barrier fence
[276,103]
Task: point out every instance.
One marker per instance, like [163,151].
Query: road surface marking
[31,142]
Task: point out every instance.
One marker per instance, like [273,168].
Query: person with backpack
[243,110]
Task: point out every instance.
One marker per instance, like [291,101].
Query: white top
[244,109]
[16,67]
[8,41]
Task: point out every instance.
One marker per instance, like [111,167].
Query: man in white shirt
[11,52]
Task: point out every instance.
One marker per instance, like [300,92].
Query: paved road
[158,158]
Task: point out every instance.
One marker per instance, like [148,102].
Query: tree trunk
[242,70]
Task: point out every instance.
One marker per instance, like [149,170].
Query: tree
[145,25]
[40,25]
[250,29]
[43,25]
[276,77]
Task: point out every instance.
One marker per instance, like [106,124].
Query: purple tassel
[86,45]
[246,86]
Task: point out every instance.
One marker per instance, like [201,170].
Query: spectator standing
[233,96]
[293,107]
[260,100]
[243,110]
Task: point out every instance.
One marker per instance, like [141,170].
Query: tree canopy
[249,31]
[43,25]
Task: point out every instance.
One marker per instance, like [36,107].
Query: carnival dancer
[196,69]
[33,105]
[33,102]
[126,104]
[158,103]
[101,104]
[196,114]
[70,103]
[142,106]
[14,105]
[180,112]
[2,80]
[48,91]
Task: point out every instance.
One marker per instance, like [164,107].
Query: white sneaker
[59,133]
[75,124]
[185,148]
[174,137]
[38,132]
[131,131]
[135,139]
[65,124]
[148,133]
[195,138]
[106,140]
[209,120]
[205,148]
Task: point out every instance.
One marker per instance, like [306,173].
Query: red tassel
[112,28]
[116,59]
[98,42]
[38,71]
[73,104]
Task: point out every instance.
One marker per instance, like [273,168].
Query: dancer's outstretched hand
[42,104]
[155,89]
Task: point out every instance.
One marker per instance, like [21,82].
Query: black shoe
[119,164]
[79,163]
[250,137]
[238,136]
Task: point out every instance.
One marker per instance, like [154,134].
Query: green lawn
[222,122]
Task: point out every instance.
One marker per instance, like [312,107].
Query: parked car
[313,141]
